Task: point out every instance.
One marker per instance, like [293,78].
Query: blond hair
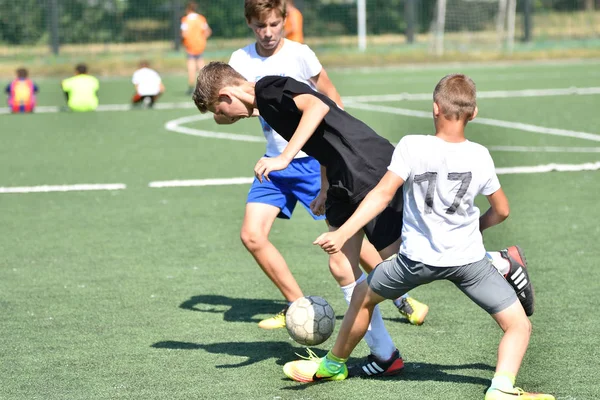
[259,8]
[455,94]
[212,78]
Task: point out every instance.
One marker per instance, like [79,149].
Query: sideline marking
[200,182]
[532,169]
[174,126]
[538,169]
[495,94]
[81,187]
[109,107]
[485,121]
[546,149]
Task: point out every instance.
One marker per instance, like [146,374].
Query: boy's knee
[252,239]
[523,324]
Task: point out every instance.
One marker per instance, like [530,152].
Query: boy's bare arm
[313,111]
[317,206]
[373,204]
[325,86]
[498,211]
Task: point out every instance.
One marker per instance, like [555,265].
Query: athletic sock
[500,263]
[334,364]
[503,381]
[377,337]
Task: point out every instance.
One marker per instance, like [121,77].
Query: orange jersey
[193,32]
[293,26]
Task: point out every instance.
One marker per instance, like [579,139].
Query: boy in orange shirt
[293,23]
[194,32]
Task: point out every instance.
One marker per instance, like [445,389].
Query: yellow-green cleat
[515,393]
[275,322]
[413,310]
[314,368]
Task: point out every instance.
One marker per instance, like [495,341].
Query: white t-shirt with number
[293,60]
[442,179]
[148,82]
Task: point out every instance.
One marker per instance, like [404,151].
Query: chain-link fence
[35,27]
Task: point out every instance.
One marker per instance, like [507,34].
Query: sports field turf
[147,293]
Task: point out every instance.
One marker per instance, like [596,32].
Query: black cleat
[372,367]
[519,278]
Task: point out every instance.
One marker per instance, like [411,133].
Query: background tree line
[115,21]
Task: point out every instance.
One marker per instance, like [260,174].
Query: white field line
[111,107]
[533,169]
[175,126]
[545,149]
[82,187]
[495,94]
[538,169]
[201,182]
[471,65]
[485,121]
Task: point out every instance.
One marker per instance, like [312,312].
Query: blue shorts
[300,181]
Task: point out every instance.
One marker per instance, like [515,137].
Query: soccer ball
[310,320]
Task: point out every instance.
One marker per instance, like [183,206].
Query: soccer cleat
[515,393]
[413,310]
[275,322]
[312,368]
[519,278]
[372,367]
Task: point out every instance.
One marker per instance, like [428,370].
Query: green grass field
[147,293]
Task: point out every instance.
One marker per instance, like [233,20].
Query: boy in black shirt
[355,159]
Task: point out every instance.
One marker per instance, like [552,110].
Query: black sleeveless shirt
[355,156]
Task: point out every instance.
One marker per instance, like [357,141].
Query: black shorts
[382,231]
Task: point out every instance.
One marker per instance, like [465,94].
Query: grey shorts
[480,281]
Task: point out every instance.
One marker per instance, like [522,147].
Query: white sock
[500,263]
[377,337]
[502,382]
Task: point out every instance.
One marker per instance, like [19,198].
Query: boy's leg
[481,282]
[356,320]
[410,308]
[258,220]
[345,270]
[517,330]
[199,63]
[192,73]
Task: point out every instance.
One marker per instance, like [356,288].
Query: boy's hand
[317,206]
[267,164]
[331,242]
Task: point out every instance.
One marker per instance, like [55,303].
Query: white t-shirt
[293,60]
[442,179]
[148,81]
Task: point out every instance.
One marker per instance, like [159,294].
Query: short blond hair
[212,78]
[259,8]
[455,94]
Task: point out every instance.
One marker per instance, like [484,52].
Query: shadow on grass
[240,310]
[414,371]
[245,310]
[255,352]
[283,352]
